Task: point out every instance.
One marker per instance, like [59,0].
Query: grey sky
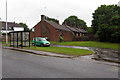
[29,11]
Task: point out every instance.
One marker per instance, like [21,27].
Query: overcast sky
[29,11]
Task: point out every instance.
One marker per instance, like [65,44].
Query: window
[77,34]
[80,34]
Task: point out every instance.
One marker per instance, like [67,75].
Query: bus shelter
[20,38]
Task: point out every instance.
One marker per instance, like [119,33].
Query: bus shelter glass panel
[25,36]
[19,38]
[15,39]
[11,39]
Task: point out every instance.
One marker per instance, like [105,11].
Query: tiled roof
[65,27]
[72,29]
[57,26]
[81,30]
[10,24]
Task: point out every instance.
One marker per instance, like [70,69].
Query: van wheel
[42,45]
[33,44]
[48,46]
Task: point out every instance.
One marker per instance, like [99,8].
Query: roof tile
[57,26]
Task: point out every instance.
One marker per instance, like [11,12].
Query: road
[17,64]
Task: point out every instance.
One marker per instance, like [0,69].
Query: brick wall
[44,29]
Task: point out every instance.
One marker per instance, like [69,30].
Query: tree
[25,26]
[73,21]
[89,30]
[106,14]
[109,34]
[52,19]
[106,23]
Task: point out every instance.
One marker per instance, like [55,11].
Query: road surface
[17,64]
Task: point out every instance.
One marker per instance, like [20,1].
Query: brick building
[54,31]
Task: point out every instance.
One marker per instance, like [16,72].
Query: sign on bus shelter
[20,38]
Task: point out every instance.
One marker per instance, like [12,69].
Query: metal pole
[10,39]
[13,39]
[34,37]
[21,39]
[29,39]
[0,29]
[6,25]
[17,39]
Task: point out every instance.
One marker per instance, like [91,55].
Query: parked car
[39,41]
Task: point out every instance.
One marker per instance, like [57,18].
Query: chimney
[42,17]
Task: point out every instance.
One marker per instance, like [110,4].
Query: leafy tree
[106,23]
[73,21]
[109,34]
[89,30]
[25,26]
[104,33]
[106,14]
[52,19]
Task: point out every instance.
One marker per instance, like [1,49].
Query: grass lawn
[89,44]
[62,50]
